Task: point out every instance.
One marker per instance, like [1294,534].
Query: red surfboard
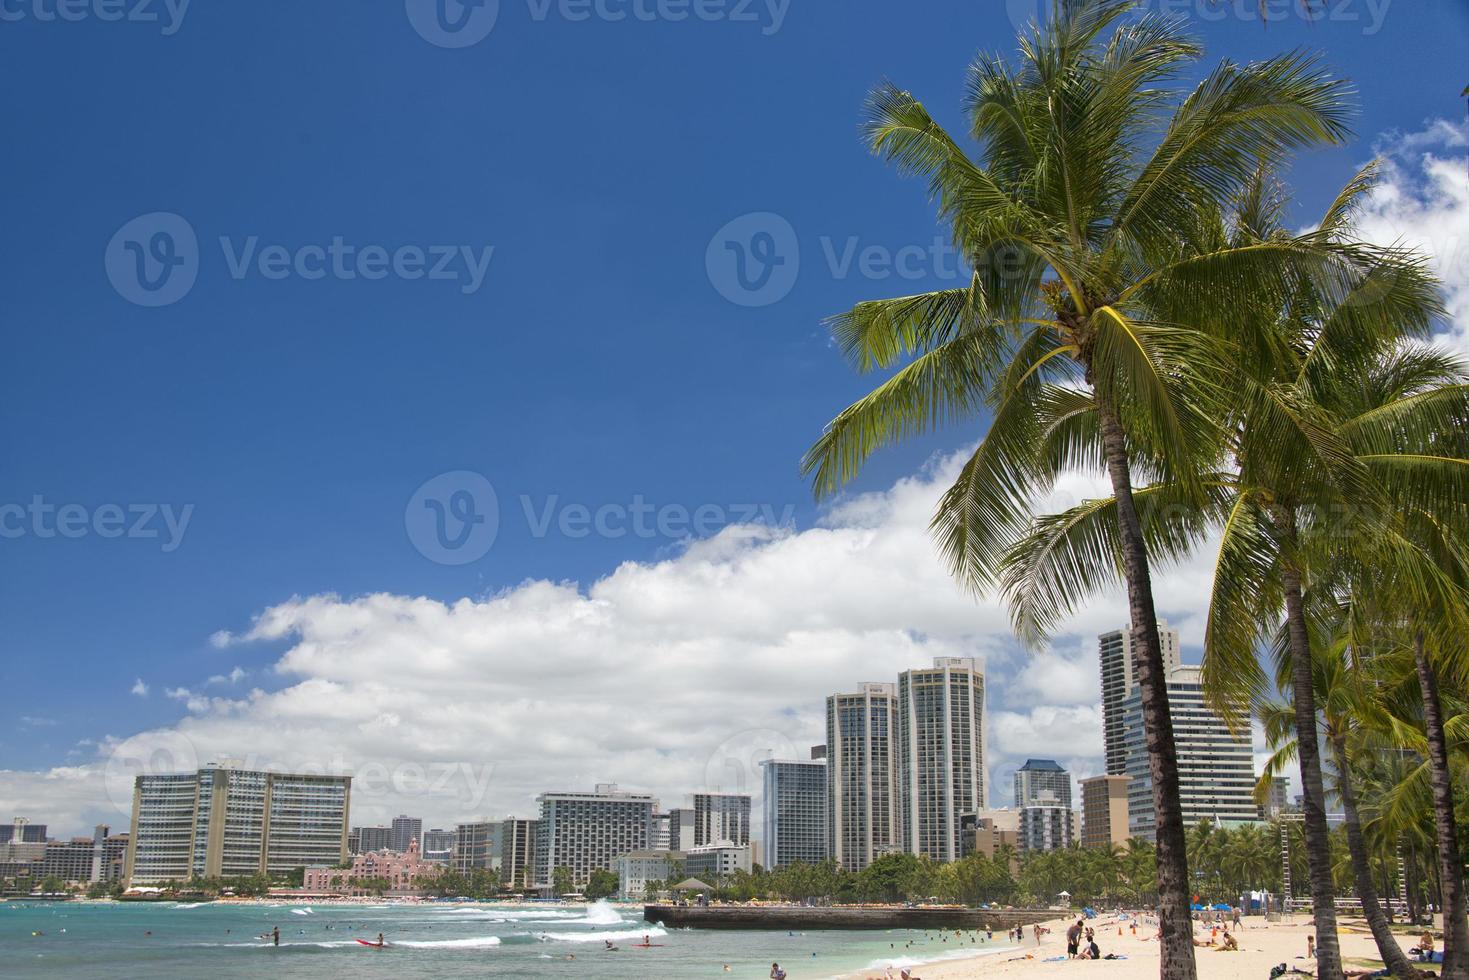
[373,945]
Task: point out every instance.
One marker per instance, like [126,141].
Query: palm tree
[1302,478]
[1347,697]
[1090,331]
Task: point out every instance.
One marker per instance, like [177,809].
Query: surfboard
[373,945]
[646,945]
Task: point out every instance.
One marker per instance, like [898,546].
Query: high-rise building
[438,845]
[221,821]
[1041,776]
[661,835]
[405,830]
[1119,676]
[1045,825]
[23,831]
[795,812]
[369,839]
[1216,768]
[477,846]
[721,818]
[1104,811]
[940,754]
[681,829]
[1275,803]
[862,775]
[518,852]
[583,832]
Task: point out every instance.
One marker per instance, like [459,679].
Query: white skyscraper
[861,775]
[721,818]
[795,812]
[585,831]
[1118,677]
[940,754]
[1216,769]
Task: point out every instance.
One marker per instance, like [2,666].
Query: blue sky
[595,362]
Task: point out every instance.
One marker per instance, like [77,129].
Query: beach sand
[1262,946]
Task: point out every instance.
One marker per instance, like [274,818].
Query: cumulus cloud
[139,688]
[670,676]
[1423,201]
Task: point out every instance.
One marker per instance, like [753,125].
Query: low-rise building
[636,869]
[395,872]
[717,861]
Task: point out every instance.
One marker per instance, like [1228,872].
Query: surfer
[380,940]
[275,935]
[610,947]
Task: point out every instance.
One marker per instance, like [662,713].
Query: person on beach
[1425,947]
[1073,939]
[1310,947]
[1236,918]
[776,973]
[1230,944]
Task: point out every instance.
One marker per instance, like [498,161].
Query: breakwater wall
[842,917]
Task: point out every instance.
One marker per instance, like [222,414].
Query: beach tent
[1197,907]
[1222,907]
[692,885]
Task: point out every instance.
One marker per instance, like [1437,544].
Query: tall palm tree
[1347,697]
[1305,475]
[1091,330]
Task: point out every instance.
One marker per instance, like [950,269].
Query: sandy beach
[1262,946]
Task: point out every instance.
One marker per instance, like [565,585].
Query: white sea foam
[601,913]
[908,962]
[622,935]
[305,911]
[473,942]
[189,905]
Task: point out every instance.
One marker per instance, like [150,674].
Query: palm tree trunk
[1177,951]
[1451,866]
[1393,956]
[1308,750]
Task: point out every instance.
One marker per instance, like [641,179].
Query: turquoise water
[175,941]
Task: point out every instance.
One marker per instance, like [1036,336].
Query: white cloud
[233,677]
[1423,201]
[139,688]
[668,676]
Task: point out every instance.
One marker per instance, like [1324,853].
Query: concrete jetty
[790,917]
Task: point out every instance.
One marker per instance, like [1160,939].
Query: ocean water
[184,941]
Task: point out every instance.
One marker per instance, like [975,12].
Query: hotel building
[438,845]
[364,840]
[585,831]
[1119,675]
[721,818]
[222,821]
[405,830]
[518,852]
[940,754]
[1042,779]
[861,775]
[636,869]
[477,846]
[1216,768]
[795,812]
[1045,825]
[1104,811]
